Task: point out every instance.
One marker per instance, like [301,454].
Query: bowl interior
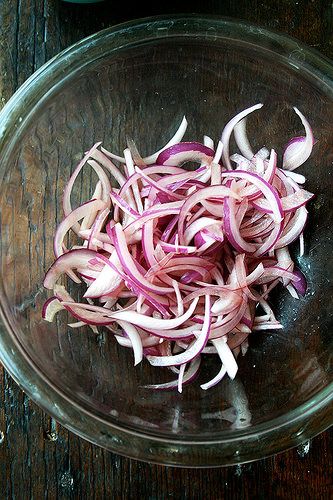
[142,91]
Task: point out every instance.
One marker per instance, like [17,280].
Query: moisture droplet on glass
[66,480]
[303,449]
[52,435]
[238,471]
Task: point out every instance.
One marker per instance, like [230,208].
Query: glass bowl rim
[123,35]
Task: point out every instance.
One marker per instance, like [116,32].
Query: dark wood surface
[39,459]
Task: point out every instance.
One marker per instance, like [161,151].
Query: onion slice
[299,149]
[195,348]
[227,131]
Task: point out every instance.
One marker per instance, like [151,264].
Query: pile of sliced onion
[180,263]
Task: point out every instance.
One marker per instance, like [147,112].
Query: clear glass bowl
[137,80]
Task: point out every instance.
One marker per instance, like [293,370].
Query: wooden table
[38,459]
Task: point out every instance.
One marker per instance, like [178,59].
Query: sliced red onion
[270,242]
[271,167]
[96,228]
[196,227]
[50,308]
[137,158]
[270,273]
[145,341]
[188,377]
[150,214]
[231,228]
[71,260]
[148,323]
[131,171]
[223,351]
[168,247]
[181,377]
[103,179]
[242,162]
[218,192]
[187,256]
[152,158]
[170,194]
[190,277]
[289,203]
[78,324]
[133,334]
[123,205]
[128,264]
[226,356]
[102,237]
[294,228]
[174,140]
[218,153]
[208,141]
[300,284]
[263,153]
[267,190]
[284,261]
[215,380]
[258,230]
[214,232]
[107,281]
[228,302]
[101,158]
[229,322]
[236,339]
[193,350]
[292,291]
[185,151]
[271,325]
[86,316]
[180,304]
[299,149]
[296,200]
[89,218]
[157,302]
[301,245]
[300,179]
[242,140]
[228,129]
[69,186]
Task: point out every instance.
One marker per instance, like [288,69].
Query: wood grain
[38,459]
